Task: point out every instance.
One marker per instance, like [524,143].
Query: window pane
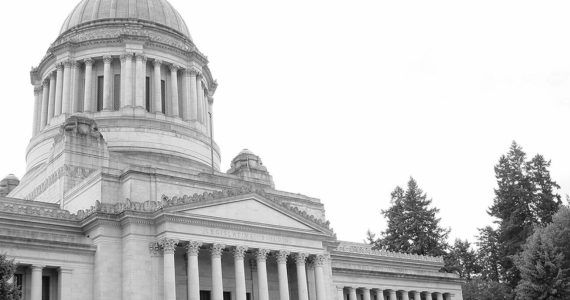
[117,92]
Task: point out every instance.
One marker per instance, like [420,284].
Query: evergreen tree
[8,291]
[488,254]
[545,262]
[412,224]
[462,260]
[524,197]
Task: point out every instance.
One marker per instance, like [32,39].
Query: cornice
[364,249]
[376,273]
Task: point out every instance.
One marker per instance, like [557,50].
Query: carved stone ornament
[88,61]
[239,252]
[320,260]
[174,68]
[261,254]
[168,245]
[157,62]
[45,83]
[59,67]
[193,247]
[154,248]
[216,250]
[141,57]
[301,258]
[282,256]
[107,59]
[37,90]
[126,56]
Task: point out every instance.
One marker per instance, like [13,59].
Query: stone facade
[123,197]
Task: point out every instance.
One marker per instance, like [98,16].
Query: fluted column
[340,293]
[320,261]
[74,89]
[174,94]
[58,90]
[417,295]
[193,96]
[200,93]
[192,249]
[351,293]
[157,99]
[217,279]
[37,108]
[365,293]
[51,102]
[168,248]
[439,296]
[107,81]
[36,292]
[239,254]
[185,93]
[282,272]
[66,91]
[128,86]
[404,295]
[87,97]
[261,258]
[140,86]
[300,259]
[65,283]
[45,101]
[393,295]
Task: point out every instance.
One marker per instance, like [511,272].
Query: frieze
[66,170]
[246,236]
[367,250]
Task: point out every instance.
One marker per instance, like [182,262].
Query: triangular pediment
[249,210]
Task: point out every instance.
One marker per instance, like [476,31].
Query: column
[45,100]
[217,279]
[157,99]
[155,255]
[65,284]
[261,258]
[447,296]
[439,296]
[366,293]
[393,295]
[87,97]
[320,261]
[168,248]
[300,259]
[351,293]
[417,295]
[66,89]
[37,109]
[211,115]
[192,249]
[185,93]
[107,82]
[200,101]
[404,295]
[239,254]
[128,89]
[174,93]
[51,102]
[58,90]
[140,85]
[379,294]
[36,293]
[282,272]
[340,293]
[74,89]
[193,96]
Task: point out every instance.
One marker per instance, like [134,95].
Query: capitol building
[124,197]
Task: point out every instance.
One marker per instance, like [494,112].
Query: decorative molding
[193,247]
[320,260]
[124,57]
[168,245]
[65,170]
[88,61]
[301,258]
[107,59]
[29,210]
[216,250]
[37,90]
[356,248]
[239,252]
[154,248]
[261,255]
[282,256]
[156,62]
[173,68]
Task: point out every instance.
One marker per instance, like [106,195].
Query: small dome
[11,177]
[154,11]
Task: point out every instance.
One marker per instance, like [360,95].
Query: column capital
[45,83]
[192,71]
[124,56]
[168,245]
[37,267]
[239,252]
[37,90]
[69,63]
[340,288]
[154,248]
[140,56]
[157,62]
[173,68]
[63,270]
[282,256]
[216,250]
[59,67]
[301,258]
[321,259]
[88,61]
[261,254]
[107,59]
[193,247]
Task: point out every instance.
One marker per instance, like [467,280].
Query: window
[227,296]
[19,281]
[204,295]
[117,92]
[147,94]
[99,93]
[247,296]
[45,288]
[163,95]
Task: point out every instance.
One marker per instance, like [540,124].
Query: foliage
[524,197]
[412,225]
[462,260]
[488,254]
[479,289]
[8,291]
[545,262]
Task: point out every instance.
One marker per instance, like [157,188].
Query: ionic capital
[216,250]
[157,62]
[168,245]
[88,61]
[193,247]
[107,59]
[239,252]
[300,258]
[261,254]
[154,248]
[282,256]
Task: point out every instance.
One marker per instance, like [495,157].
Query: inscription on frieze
[246,236]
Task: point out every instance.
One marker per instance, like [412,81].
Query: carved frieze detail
[66,170]
[364,249]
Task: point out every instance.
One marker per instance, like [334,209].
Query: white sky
[344,100]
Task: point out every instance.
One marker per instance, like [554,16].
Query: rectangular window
[117,92]
[204,295]
[45,288]
[227,296]
[99,93]
[163,95]
[147,94]
[247,296]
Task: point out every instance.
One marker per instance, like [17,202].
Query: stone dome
[158,12]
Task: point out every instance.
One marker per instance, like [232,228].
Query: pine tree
[462,260]
[524,197]
[488,254]
[8,291]
[412,224]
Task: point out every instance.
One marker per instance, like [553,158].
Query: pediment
[251,210]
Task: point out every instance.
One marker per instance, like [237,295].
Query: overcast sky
[345,100]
